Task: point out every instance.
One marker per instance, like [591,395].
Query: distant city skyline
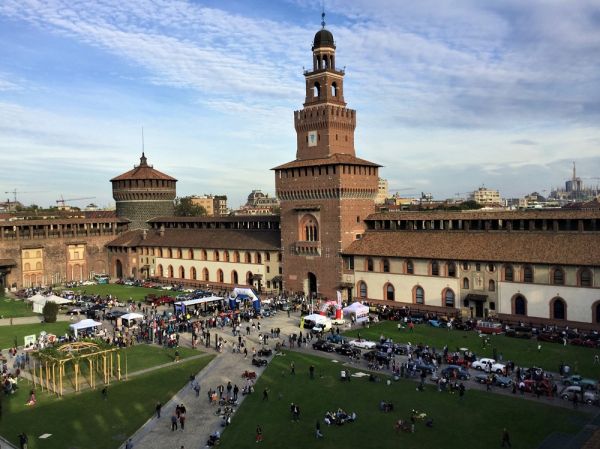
[449,96]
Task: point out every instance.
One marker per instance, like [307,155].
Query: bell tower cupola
[325,126]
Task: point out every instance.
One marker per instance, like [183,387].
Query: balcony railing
[308,248]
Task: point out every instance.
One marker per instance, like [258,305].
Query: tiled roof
[7,263]
[143,171]
[56,221]
[567,248]
[337,158]
[268,240]
[486,215]
[206,219]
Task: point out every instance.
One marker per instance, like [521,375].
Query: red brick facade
[327,192]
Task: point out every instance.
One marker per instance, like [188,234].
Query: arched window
[205,275]
[236,256]
[170,271]
[27,266]
[509,274]
[203,255]
[190,254]
[465,266]
[159,270]
[234,277]
[418,295]
[596,312]
[389,292]
[257,258]
[410,268]
[220,276]
[334,89]
[309,228]
[435,268]
[317,90]
[466,283]
[362,290]
[181,273]
[519,305]
[385,265]
[26,255]
[451,269]
[492,285]
[585,277]
[160,252]
[169,253]
[369,264]
[193,273]
[226,256]
[491,267]
[38,254]
[558,309]
[247,257]
[448,298]
[527,274]
[179,253]
[558,276]
[216,255]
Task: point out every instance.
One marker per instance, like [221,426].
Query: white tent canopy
[360,311]
[132,316]
[39,301]
[84,324]
[191,302]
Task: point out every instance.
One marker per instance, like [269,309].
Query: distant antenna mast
[143,149]
[323,13]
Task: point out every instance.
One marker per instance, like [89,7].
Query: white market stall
[84,324]
[39,301]
[129,317]
[182,306]
[357,310]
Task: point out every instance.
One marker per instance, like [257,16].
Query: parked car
[456,372]
[483,363]
[589,397]
[422,366]
[336,338]
[114,314]
[323,345]
[519,332]
[576,379]
[76,311]
[379,356]
[346,349]
[363,344]
[550,337]
[497,379]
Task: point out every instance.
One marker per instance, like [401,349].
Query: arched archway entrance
[249,278]
[312,285]
[118,269]
[596,312]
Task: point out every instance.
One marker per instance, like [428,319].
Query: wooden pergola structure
[51,362]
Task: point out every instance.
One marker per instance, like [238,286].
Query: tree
[50,311]
[184,207]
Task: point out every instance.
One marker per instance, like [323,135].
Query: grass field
[144,356]
[83,420]
[522,352]
[10,308]
[18,331]
[476,421]
[122,292]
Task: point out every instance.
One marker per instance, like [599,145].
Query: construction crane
[401,190]
[62,201]
[14,193]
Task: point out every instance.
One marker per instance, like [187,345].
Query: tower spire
[323,13]
[143,160]
[574,171]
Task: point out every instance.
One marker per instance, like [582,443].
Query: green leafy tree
[184,207]
[50,311]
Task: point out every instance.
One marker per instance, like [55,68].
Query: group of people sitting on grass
[339,417]
[409,425]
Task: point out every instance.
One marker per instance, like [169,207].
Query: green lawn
[123,292]
[8,333]
[10,308]
[83,420]
[522,352]
[144,356]
[474,422]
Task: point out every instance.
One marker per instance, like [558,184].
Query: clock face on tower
[312,138]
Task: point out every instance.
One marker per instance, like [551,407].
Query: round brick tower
[143,193]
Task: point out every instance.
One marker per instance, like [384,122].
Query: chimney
[161,231]
[144,234]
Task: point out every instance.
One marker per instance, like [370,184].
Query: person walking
[23,440]
[265,394]
[505,438]
[236,390]
[129,444]
[173,422]
[158,409]
[259,433]
[292,369]
[318,433]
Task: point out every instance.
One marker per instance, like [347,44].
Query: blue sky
[449,95]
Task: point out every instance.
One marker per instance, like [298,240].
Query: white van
[315,322]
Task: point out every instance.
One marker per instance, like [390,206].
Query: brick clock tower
[327,191]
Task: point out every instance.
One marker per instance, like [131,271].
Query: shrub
[50,311]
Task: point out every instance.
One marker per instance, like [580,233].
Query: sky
[450,96]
